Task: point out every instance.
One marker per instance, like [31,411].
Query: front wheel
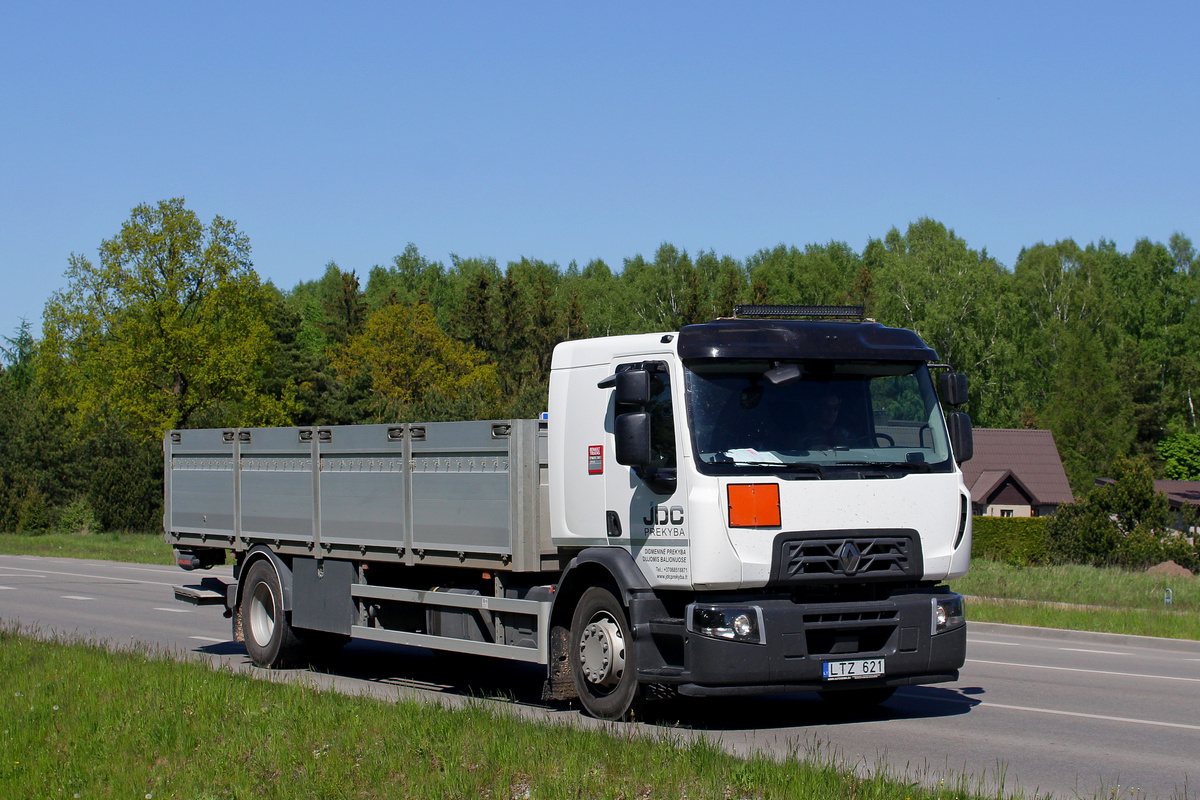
[270,640]
[601,653]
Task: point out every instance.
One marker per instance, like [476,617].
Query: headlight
[947,613]
[739,624]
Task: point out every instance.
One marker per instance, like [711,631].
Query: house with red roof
[1016,473]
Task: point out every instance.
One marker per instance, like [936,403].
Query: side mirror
[953,387]
[632,433]
[959,425]
[633,388]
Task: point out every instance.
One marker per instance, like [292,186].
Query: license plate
[840,670]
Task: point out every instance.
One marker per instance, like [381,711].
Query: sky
[570,131]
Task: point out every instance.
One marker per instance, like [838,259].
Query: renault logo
[849,557]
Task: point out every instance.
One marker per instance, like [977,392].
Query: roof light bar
[800,312]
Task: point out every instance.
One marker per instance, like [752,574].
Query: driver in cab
[824,430]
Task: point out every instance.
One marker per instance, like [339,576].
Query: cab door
[645,501]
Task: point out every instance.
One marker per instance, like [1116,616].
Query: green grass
[80,721]
[1144,623]
[1118,601]
[1078,584]
[138,548]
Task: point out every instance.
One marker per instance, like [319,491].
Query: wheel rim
[602,652]
[262,614]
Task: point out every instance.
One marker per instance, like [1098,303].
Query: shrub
[78,517]
[1019,541]
[1125,524]
[36,515]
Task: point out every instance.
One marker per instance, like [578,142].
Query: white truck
[761,504]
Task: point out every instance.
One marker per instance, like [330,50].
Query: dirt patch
[1170,569]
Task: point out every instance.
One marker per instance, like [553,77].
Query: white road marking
[8,588]
[1088,671]
[19,575]
[75,597]
[84,575]
[175,610]
[1098,652]
[160,569]
[206,639]
[989,641]
[1103,717]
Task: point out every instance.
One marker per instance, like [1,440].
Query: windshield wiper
[780,466]
[907,466]
[797,466]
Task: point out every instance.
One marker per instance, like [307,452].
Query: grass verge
[1110,600]
[80,721]
[1078,584]
[1141,623]
[137,548]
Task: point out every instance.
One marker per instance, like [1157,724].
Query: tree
[40,467]
[818,275]
[406,358]
[1087,409]
[1181,452]
[168,330]
[957,299]
[345,305]
[412,278]
[19,358]
[1125,522]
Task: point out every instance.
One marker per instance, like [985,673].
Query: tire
[858,699]
[601,655]
[270,640]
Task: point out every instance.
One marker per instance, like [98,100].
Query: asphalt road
[1038,710]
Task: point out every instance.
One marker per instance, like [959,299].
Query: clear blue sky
[560,131]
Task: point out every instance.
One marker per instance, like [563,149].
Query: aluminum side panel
[362,486]
[202,482]
[276,478]
[461,494]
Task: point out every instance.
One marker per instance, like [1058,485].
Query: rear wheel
[601,653]
[270,640]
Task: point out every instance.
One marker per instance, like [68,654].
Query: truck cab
[789,492]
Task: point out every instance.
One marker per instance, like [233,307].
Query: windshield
[820,418]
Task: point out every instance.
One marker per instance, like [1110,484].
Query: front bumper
[798,638]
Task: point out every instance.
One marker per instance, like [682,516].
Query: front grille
[842,617]
[847,555]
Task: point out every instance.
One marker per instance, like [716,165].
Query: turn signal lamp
[754,505]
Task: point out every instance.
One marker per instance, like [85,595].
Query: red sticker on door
[595,459]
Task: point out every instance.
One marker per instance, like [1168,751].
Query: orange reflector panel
[753,505]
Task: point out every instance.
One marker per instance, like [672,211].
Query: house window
[1006,512]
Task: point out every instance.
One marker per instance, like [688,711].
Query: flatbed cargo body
[441,493]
